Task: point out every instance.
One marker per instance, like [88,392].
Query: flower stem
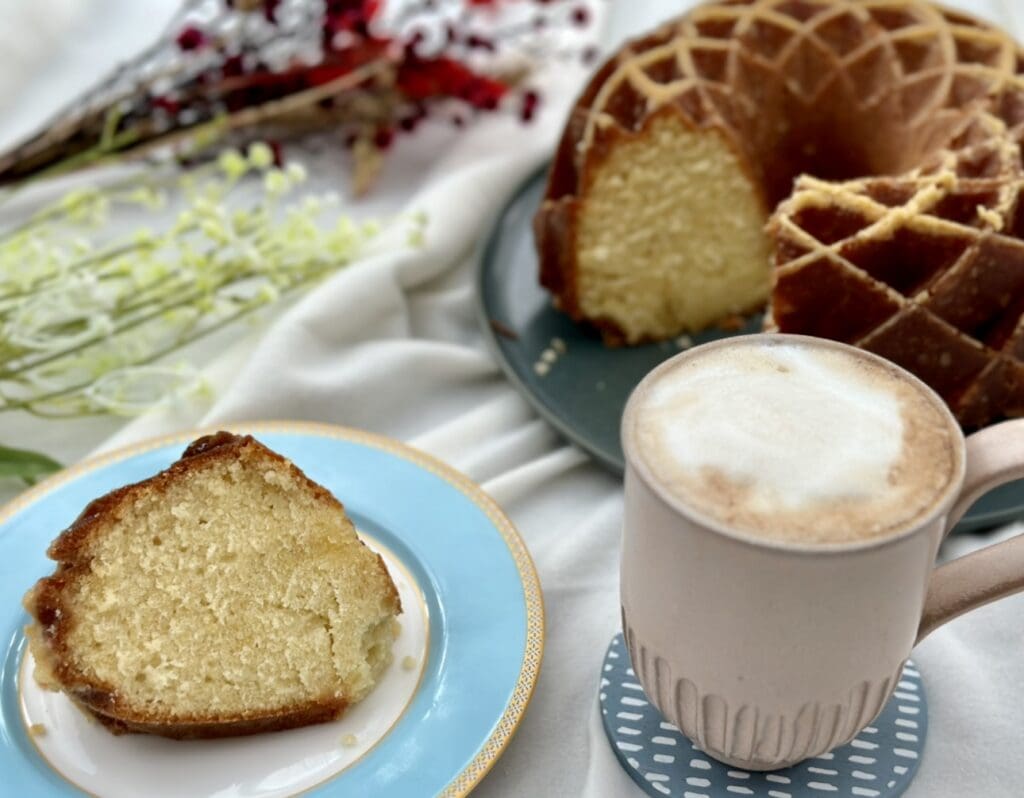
[31,404]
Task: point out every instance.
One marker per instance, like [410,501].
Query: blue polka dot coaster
[879,763]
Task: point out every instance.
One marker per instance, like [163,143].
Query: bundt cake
[226,595]
[900,123]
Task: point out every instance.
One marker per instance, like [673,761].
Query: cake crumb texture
[691,249]
[229,594]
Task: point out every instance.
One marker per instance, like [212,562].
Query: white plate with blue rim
[465,665]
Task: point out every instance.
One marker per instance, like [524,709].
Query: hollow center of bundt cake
[237,590]
[671,235]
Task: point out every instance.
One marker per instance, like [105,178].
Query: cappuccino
[795,441]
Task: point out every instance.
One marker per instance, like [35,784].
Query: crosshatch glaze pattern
[879,762]
[492,748]
[928,103]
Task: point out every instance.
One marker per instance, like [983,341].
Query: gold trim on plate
[510,719]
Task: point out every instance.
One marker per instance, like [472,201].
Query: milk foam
[777,434]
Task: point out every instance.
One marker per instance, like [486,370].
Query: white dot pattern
[879,763]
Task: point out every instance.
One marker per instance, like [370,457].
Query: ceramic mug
[767,653]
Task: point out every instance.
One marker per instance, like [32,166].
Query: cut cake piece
[668,240]
[880,140]
[227,595]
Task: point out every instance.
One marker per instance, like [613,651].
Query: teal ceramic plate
[570,377]
[466,660]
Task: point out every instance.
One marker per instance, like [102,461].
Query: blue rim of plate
[494,708]
[517,318]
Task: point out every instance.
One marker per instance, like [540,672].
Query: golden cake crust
[885,134]
[46,603]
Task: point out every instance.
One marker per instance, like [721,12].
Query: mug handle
[994,455]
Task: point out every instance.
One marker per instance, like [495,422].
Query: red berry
[270,10]
[485,101]
[383,137]
[475,41]
[580,16]
[531,99]
[275,149]
[166,104]
[233,66]
[415,41]
[191,38]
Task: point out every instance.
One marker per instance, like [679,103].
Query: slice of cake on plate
[226,595]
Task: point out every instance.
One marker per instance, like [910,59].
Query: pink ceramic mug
[766,653]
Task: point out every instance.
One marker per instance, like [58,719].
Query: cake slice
[226,595]
[667,240]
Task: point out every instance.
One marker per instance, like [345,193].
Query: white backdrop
[392,345]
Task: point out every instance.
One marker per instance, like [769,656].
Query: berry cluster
[268,69]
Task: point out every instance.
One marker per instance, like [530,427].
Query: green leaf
[26,465]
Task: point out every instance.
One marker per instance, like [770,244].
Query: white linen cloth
[392,345]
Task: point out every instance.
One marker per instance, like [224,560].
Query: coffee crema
[795,442]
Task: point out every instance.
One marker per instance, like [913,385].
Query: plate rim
[489,750]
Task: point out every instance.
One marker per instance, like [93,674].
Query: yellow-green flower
[276,183]
[297,172]
[86,321]
[233,164]
[260,156]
